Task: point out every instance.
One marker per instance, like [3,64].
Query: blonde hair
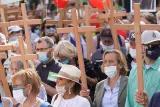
[65,49]
[120,59]
[29,76]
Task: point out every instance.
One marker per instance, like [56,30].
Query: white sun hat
[69,72]
[150,36]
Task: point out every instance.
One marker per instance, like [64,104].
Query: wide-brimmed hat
[69,72]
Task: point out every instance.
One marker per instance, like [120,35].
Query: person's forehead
[17,81]
[41,44]
[110,56]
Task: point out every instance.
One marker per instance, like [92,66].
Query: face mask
[110,71]
[18,95]
[132,52]
[42,56]
[60,89]
[65,61]
[153,52]
[111,47]
[13,38]
[37,31]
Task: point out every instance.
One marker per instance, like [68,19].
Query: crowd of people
[54,79]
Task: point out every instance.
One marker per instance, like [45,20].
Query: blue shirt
[110,98]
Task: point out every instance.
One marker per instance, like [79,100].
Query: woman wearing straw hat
[68,88]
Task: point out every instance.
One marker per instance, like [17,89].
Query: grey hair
[48,40]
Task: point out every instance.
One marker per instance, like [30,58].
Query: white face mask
[18,95]
[110,71]
[132,52]
[13,38]
[60,89]
[111,47]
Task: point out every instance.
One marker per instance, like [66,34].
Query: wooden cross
[137,28]
[76,30]
[110,15]
[23,56]
[26,22]
[3,79]
[4,25]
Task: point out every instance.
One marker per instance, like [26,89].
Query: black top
[45,69]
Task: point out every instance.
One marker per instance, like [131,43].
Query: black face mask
[153,51]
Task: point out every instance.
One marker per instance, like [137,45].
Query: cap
[70,72]
[106,32]
[150,36]
[14,29]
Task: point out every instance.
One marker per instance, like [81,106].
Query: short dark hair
[106,32]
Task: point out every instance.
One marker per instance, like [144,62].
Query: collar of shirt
[155,65]
[107,87]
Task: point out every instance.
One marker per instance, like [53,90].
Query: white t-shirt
[77,101]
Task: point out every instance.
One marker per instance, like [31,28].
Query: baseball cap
[69,72]
[150,36]
[14,29]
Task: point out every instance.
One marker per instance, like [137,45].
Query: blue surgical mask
[42,56]
[65,61]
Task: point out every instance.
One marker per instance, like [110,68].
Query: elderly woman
[66,53]
[111,92]
[26,86]
[68,88]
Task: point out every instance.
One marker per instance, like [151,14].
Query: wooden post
[23,56]
[26,22]
[88,35]
[3,79]
[4,25]
[137,29]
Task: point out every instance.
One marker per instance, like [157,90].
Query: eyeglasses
[42,49]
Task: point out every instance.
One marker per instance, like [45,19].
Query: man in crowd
[151,70]
[47,66]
